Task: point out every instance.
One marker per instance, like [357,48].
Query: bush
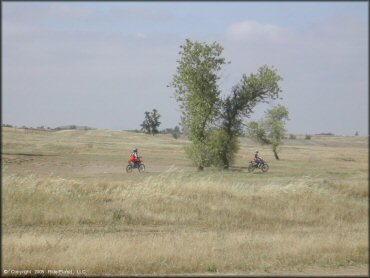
[292,137]
[199,154]
[307,137]
[222,148]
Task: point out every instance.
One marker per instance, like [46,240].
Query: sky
[103,64]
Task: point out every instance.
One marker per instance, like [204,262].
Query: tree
[176,132]
[151,122]
[245,96]
[197,92]
[275,126]
[257,132]
[270,130]
[213,124]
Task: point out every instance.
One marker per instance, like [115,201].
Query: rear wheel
[142,168]
[250,168]
[129,168]
[265,168]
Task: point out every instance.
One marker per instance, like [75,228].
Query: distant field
[68,204]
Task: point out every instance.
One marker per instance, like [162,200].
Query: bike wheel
[250,168]
[129,168]
[142,168]
[265,168]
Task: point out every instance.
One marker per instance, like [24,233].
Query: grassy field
[68,204]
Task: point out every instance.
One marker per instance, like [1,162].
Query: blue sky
[104,64]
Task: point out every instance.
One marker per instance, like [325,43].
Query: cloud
[39,13]
[141,14]
[141,36]
[95,68]
[324,66]
[253,31]
[84,76]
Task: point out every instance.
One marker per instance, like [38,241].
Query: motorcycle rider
[134,156]
[257,159]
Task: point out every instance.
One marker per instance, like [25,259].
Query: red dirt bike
[138,164]
[262,165]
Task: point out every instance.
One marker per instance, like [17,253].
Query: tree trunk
[226,162]
[276,155]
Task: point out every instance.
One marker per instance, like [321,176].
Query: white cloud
[141,14]
[253,31]
[141,36]
[323,65]
[52,59]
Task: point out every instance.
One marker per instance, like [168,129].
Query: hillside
[69,204]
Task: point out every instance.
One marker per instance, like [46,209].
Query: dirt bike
[261,165]
[138,164]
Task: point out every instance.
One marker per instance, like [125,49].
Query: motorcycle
[262,165]
[138,164]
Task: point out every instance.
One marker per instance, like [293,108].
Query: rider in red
[134,156]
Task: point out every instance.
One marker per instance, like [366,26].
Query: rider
[257,158]
[134,156]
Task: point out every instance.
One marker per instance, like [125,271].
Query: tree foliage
[270,130]
[250,91]
[197,92]
[151,122]
[212,123]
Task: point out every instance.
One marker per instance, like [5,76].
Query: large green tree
[271,130]
[213,123]
[250,91]
[197,92]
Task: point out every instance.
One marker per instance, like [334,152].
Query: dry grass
[305,212]
[184,251]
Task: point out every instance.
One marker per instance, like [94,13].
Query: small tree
[151,122]
[257,131]
[270,130]
[176,132]
[275,126]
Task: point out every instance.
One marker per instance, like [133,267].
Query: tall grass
[180,222]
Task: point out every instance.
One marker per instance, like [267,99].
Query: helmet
[135,150]
[256,151]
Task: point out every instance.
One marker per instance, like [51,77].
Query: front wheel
[265,168]
[142,168]
[129,168]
